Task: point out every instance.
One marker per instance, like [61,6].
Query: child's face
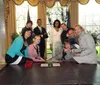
[37,40]
[67,45]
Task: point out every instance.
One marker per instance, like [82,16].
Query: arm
[78,50]
[45,35]
[87,46]
[51,37]
[26,52]
[18,42]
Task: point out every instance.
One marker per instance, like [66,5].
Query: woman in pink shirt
[33,50]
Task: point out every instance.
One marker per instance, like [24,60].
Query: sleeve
[88,45]
[18,43]
[26,52]
[76,45]
[45,35]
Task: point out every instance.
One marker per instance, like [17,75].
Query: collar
[39,27]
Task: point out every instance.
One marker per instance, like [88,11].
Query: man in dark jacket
[39,30]
[64,32]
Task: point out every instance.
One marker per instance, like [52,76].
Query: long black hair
[23,33]
[58,22]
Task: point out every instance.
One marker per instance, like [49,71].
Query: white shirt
[55,36]
[40,28]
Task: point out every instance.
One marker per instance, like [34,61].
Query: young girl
[33,50]
[69,52]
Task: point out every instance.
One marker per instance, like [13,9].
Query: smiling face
[39,22]
[37,39]
[78,29]
[71,33]
[56,24]
[29,25]
[64,27]
[27,34]
[67,45]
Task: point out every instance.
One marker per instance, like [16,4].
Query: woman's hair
[70,29]
[79,27]
[58,22]
[36,36]
[63,24]
[24,31]
[29,22]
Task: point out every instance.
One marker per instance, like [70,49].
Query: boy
[68,51]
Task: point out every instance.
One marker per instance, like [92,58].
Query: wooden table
[67,74]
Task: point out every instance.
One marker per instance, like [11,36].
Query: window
[21,15]
[89,17]
[56,12]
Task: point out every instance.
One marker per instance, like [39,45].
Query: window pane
[89,15]
[21,15]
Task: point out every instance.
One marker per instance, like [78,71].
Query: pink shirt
[32,52]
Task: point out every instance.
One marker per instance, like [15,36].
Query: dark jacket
[63,36]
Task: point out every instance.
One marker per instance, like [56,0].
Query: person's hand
[41,59]
[77,54]
[70,50]
[67,35]
[67,49]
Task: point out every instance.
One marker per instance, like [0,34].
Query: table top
[68,73]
